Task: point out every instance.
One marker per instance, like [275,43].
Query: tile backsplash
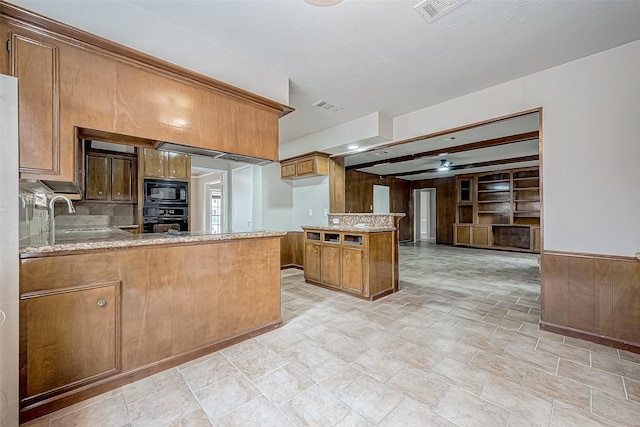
[118,213]
[34,220]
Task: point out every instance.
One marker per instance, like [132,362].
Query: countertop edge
[164,240]
[348,229]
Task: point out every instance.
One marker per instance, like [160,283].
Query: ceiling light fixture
[444,165]
[323,3]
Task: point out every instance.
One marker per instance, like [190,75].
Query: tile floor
[457,346]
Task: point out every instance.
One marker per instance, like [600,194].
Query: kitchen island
[103,309]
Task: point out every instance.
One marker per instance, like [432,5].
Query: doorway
[424,228]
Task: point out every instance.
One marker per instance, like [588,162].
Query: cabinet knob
[102,302]
[346,256]
[174,171]
[334,254]
[118,193]
[100,192]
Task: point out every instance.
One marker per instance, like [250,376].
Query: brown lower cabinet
[358,263]
[94,321]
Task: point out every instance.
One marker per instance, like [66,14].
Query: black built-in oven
[158,192]
[165,206]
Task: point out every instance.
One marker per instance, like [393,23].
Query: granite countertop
[367,214]
[113,237]
[348,228]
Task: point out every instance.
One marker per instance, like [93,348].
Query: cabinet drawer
[288,170]
[305,167]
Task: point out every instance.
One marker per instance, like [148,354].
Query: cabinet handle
[102,302]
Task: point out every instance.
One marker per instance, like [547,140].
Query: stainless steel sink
[84,230]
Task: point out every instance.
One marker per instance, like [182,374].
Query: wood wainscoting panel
[594,296]
[292,249]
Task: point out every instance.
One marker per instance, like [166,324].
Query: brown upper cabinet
[110,178]
[311,164]
[69,80]
[166,164]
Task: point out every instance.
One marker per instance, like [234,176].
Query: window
[216,211]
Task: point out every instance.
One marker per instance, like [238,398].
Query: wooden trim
[101,386]
[288,266]
[337,289]
[587,336]
[302,156]
[541,185]
[38,294]
[592,256]
[455,149]
[469,166]
[36,22]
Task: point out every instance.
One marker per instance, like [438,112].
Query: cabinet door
[331,265]
[312,262]
[97,178]
[306,166]
[154,163]
[121,179]
[177,166]
[352,270]
[35,64]
[288,170]
[70,338]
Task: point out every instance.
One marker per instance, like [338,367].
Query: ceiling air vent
[325,105]
[430,10]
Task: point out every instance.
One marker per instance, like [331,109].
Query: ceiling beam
[468,166]
[521,137]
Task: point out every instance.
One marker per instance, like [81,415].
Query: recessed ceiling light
[323,3]
[352,146]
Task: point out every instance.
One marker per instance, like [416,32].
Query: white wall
[590,119]
[9,251]
[276,199]
[310,193]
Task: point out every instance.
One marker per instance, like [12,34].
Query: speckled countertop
[348,228]
[112,237]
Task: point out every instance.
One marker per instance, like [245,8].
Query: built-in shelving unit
[499,210]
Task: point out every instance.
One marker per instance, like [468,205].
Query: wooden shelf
[506,211]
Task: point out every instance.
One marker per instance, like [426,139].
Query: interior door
[242,199]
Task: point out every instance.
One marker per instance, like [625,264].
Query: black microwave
[159,192]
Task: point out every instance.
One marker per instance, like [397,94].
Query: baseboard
[287,266]
[588,336]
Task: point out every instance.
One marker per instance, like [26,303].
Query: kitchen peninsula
[103,310]
[356,254]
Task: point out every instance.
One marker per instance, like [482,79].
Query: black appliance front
[158,192]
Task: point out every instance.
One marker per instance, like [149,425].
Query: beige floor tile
[513,306]
[111,412]
[198,360]
[574,354]
[451,348]
[633,389]
[208,372]
[503,367]
[226,396]
[622,411]
[516,338]
[631,357]
[283,384]
[280,340]
[565,415]
[476,327]
[464,376]
[378,365]
[485,343]
[415,356]
[91,401]
[334,374]
[467,410]
[587,345]
[169,379]
[260,363]
[491,309]
[605,381]
[616,366]
[519,400]
[503,322]
[354,419]
[423,387]
[315,407]
[195,419]
[306,355]
[163,407]
[558,388]
[534,331]
[537,359]
[533,319]
[467,313]
[322,335]
[518,421]
[241,350]
[258,412]
[370,398]
[411,414]
[347,349]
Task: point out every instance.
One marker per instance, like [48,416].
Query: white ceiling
[362,55]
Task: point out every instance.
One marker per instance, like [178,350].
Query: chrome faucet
[53,215]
